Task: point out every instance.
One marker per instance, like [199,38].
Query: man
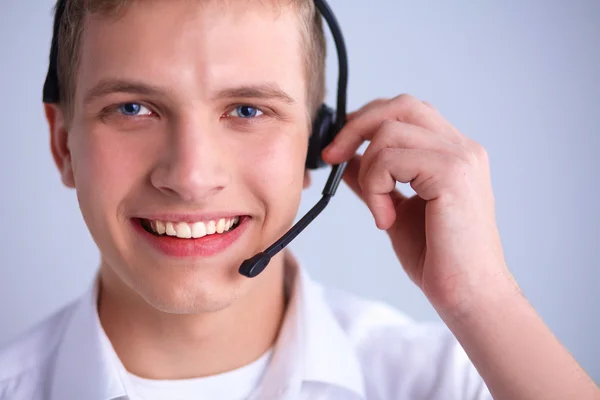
[183,127]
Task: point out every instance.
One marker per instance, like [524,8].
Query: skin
[447,240]
[187,152]
[190,155]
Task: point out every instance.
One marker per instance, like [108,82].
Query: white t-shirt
[233,385]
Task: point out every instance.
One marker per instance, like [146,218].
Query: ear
[59,143]
[307,179]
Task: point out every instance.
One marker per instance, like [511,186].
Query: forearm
[515,353]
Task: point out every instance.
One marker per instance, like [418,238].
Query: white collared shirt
[332,346]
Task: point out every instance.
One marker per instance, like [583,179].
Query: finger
[404,108]
[427,172]
[351,175]
[364,125]
[351,178]
[370,105]
[428,104]
[379,183]
[351,116]
[393,134]
[429,117]
[382,207]
[449,126]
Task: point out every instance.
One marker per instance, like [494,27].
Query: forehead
[195,45]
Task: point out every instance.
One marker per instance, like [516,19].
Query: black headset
[326,125]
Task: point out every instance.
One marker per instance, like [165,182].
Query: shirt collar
[329,355]
[84,368]
[311,347]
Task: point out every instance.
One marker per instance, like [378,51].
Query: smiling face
[189,119]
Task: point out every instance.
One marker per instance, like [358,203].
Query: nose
[193,163]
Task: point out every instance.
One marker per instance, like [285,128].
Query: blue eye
[246,112]
[133,109]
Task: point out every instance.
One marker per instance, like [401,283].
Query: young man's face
[160,133]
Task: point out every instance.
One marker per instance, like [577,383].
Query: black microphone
[255,265]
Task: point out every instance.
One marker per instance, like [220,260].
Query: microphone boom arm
[255,265]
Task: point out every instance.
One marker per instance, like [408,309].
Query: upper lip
[190,218]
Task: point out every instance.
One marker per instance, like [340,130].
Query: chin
[192,290]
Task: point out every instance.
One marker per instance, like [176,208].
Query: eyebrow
[263,91]
[109,86]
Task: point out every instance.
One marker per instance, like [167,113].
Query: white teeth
[183,230]
[221,226]
[161,229]
[196,230]
[211,227]
[170,229]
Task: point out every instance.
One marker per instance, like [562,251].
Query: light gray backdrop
[520,77]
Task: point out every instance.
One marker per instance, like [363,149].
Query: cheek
[277,176]
[278,166]
[105,168]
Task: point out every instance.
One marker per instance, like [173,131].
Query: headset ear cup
[322,135]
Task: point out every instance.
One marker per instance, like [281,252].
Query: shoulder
[25,361]
[401,357]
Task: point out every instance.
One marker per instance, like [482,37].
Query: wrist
[490,294]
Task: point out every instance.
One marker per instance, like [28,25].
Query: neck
[157,345]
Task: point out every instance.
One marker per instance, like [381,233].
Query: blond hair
[73,23]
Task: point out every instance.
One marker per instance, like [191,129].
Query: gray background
[521,78]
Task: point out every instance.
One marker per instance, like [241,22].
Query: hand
[446,236]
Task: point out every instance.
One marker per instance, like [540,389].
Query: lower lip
[206,246]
